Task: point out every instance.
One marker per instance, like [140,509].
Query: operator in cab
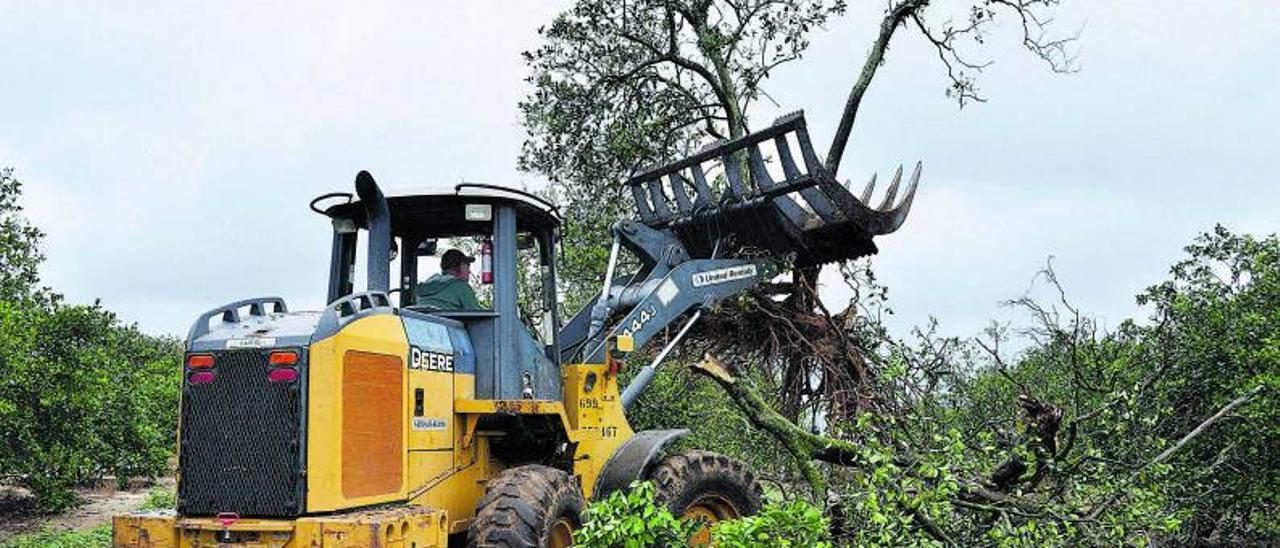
[450,289]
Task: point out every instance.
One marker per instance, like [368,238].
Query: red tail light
[282,374]
[200,361]
[284,357]
[200,377]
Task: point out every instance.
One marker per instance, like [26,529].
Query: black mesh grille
[240,441]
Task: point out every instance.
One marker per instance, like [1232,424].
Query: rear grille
[241,440]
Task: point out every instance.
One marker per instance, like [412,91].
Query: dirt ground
[99,505]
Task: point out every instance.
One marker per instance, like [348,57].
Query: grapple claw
[904,206]
[866,191]
[787,208]
[892,192]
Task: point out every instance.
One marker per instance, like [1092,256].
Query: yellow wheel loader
[384,421]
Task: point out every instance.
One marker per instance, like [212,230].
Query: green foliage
[791,524]
[19,254]
[160,498]
[83,396]
[1216,335]
[880,497]
[1125,396]
[99,536]
[631,520]
[618,83]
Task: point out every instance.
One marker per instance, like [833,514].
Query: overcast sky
[169,151]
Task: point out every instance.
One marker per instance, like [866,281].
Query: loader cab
[512,235]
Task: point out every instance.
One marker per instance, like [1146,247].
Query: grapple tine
[759,173]
[866,191]
[784,155]
[817,201]
[678,189]
[905,205]
[765,182]
[642,203]
[659,199]
[895,217]
[700,184]
[890,194]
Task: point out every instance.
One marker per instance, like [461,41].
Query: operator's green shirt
[445,292]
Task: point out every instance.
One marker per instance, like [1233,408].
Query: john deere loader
[381,422]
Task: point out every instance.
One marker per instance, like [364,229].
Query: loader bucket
[752,194]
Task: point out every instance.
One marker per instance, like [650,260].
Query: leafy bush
[160,498]
[19,256]
[83,398]
[99,536]
[632,520]
[782,525]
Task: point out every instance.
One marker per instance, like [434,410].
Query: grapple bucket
[752,194]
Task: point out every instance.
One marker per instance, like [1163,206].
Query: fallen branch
[803,446]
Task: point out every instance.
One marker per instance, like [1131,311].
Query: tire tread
[514,511]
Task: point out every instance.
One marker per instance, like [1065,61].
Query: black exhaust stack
[378,222]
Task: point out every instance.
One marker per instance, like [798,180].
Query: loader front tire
[706,485]
[526,507]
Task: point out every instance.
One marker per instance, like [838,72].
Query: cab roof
[438,210]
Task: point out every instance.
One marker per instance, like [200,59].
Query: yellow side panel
[432,425]
[456,483]
[458,490]
[595,412]
[429,467]
[382,335]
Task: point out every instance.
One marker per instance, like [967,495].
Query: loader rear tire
[526,507]
[706,485]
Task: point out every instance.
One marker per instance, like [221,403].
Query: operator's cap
[453,259]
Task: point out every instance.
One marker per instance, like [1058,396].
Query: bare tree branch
[875,58]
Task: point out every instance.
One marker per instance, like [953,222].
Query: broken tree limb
[803,446]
